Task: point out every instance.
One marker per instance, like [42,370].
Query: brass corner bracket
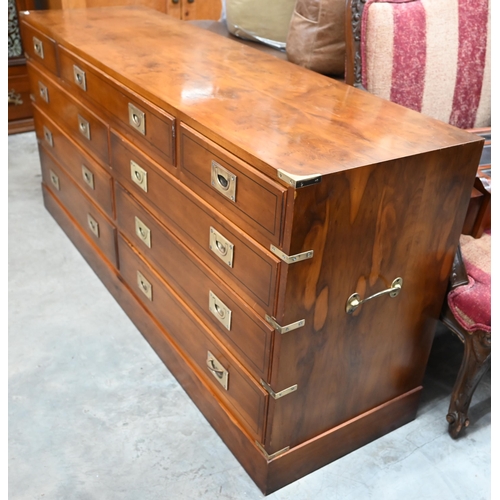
[298,181]
[273,455]
[280,394]
[286,328]
[291,259]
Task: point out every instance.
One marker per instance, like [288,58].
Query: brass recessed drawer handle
[80,77]
[144,286]
[143,232]
[54,179]
[137,118]
[218,371]
[223,180]
[93,225]
[354,301]
[84,127]
[88,177]
[221,247]
[47,135]
[44,91]
[219,310]
[38,47]
[139,175]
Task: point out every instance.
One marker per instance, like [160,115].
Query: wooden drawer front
[154,128]
[19,94]
[251,270]
[79,122]
[85,171]
[92,221]
[237,325]
[39,48]
[244,397]
[250,199]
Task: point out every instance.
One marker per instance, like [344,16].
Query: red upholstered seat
[467,313]
[471,303]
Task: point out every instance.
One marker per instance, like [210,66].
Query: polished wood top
[268,111]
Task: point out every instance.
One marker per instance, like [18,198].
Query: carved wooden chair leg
[475,362]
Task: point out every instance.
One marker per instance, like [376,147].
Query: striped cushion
[432,56]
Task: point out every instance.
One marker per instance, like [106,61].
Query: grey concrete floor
[94,414]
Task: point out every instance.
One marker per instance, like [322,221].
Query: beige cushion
[266,21]
[316,36]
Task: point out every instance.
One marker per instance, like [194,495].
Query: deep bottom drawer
[229,381]
[92,221]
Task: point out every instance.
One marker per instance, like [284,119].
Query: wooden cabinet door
[189,10]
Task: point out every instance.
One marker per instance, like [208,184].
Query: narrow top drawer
[231,186]
[140,119]
[39,47]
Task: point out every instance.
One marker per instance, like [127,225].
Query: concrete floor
[94,413]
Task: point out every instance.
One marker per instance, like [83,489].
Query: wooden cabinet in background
[189,10]
[20,112]
[186,10]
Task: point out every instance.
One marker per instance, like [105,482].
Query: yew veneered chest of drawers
[234,205]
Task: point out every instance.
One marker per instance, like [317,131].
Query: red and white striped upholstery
[432,56]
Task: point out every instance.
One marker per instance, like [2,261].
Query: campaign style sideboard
[282,240]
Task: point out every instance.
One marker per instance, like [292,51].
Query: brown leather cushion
[316,36]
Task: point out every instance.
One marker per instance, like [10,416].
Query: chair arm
[458,276]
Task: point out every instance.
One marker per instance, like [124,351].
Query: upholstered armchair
[467,313]
[432,56]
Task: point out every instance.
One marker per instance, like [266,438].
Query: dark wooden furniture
[242,210]
[180,9]
[478,217]
[20,113]
[477,341]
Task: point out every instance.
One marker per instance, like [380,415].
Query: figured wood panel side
[367,227]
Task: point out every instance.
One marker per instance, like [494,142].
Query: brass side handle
[354,301]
